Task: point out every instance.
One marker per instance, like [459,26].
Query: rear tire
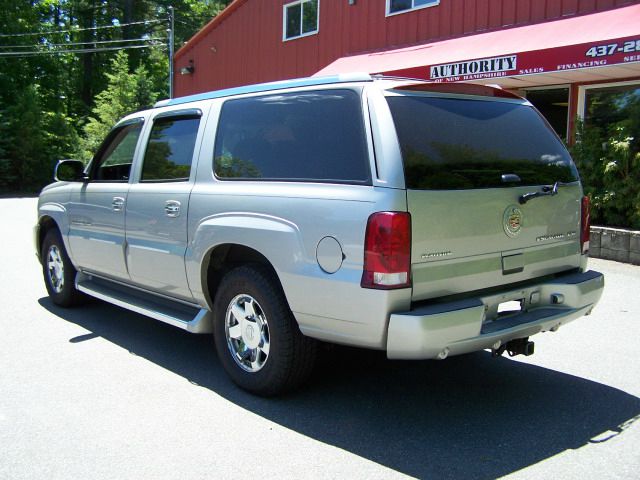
[257,338]
[58,271]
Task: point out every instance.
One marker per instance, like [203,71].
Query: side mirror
[70,171]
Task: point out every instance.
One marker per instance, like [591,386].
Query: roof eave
[221,17]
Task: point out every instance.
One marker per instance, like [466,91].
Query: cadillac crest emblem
[512,221]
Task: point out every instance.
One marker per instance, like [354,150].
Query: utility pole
[170,39]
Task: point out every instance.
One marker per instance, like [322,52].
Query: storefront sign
[572,57]
[485,66]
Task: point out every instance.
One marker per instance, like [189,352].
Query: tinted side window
[113,160]
[170,149]
[306,136]
[464,144]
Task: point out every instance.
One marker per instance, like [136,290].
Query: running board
[187,317]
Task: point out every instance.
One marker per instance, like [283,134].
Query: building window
[610,113]
[300,19]
[402,6]
[612,106]
[553,104]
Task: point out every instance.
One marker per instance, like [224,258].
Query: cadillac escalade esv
[426,220]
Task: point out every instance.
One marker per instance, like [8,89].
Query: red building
[566,56]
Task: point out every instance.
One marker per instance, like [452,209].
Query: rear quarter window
[315,136]
[455,143]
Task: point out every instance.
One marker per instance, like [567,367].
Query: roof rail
[265,87]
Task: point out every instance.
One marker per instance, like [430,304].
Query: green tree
[7,178]
[125,93]
[47,97]
[29,164]
[609,165]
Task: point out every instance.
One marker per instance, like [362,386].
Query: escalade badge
[512,221]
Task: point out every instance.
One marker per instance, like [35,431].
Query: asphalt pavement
[98,392]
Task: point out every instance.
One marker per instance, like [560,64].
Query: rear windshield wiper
[546,190]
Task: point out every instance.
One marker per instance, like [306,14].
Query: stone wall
[615,244]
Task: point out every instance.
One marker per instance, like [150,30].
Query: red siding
[469,14]
[569,7]
[523,11]
[587,6]
[482,15]
[457,13]
[538,9]
[245,45]
[508,12]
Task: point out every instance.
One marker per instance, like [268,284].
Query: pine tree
[125,93]
[45,99]
[28,158]
[145,94]
[7,178]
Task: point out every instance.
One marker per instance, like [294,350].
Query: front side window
[401,6]
[459,144]
[170,149]
[315,136]
[115,156]
[300,19]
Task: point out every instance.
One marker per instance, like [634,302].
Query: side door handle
[117,204]
[172,208]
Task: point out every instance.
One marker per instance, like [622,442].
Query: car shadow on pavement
[471,416]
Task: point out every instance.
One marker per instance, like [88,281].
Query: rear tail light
[585,225]
[387,251]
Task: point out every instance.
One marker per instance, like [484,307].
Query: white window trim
[582,93]
[284,21]
[388,13]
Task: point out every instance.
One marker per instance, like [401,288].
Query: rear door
[467,161]
[157,204]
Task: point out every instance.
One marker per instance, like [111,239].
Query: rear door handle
[117,204]
[172,208]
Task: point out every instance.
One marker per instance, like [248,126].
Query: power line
[142,39]
[84,50]
[73,30]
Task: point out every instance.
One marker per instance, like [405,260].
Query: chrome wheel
[55,268]
[257,337]
[247,333]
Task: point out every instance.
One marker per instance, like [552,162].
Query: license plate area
[512,307]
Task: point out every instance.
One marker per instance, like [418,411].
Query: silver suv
[426,220]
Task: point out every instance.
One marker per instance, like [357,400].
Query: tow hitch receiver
[519,346]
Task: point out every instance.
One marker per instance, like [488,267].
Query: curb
[615,244]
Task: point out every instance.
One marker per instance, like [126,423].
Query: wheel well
[225,258]
[45,224]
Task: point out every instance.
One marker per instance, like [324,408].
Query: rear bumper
[440,330]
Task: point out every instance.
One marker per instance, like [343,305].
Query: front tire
[257,338]
[58,271]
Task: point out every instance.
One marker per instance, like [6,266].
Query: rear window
[314,136]
[455,144]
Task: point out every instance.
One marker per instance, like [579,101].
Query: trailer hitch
[519,346]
